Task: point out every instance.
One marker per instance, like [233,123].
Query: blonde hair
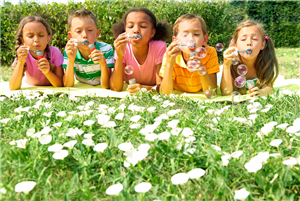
[82,12]
[19,34]
[189,17]
[266,64]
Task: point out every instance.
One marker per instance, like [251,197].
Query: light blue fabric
[219,75]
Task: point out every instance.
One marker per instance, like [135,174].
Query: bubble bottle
[250,85]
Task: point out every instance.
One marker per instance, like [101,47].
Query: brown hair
[162,28]
[266,64]
[82,12]
[19,34]
[189,17]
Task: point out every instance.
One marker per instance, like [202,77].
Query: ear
[205,39]
[22,40]
[70,35]
[263,45]
[152,33]
[174,38]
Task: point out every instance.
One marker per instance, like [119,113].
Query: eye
[78,31]
[196,34]
[41,35]
[143,27]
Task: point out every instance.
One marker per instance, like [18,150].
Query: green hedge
[281,19]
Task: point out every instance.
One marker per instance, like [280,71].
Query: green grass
[288,59]
[289,62]
[85,174]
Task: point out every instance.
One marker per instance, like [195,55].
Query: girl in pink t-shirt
[41,63]
[144,54]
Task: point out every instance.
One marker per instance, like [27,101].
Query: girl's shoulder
[157,43]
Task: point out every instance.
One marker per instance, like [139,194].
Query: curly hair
[163,29]
[19,34]
[266,64]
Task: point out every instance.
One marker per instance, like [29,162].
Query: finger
[121,43]
[134,90]
[256,93]
[255,89]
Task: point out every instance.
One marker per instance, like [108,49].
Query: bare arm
[15,81]
[167,82]
[116,79]
[71,51]
[226,81]
[68,78]
[55,77]
[209,81]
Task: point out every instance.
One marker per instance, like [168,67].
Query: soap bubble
[208,93]
[235,61]
[226,91]
[191,44]
[242,69]
[128,70]
[240,81]
[219,47]
[193,65]
[202,70]
[201,52]
[235,96]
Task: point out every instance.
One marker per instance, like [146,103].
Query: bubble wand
[135,36]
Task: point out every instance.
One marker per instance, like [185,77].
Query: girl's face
[35,36]
[139,22]
[250,38]
[190,30]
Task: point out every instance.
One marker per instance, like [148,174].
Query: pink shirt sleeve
[56,56]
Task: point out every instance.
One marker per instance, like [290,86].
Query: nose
[249,42]
[136,29]
[84,34]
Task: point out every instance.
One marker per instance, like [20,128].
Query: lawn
[231,146]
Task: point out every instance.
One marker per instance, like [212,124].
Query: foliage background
[281,19]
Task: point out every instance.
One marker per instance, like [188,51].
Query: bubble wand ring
[136,36]
[248,51]
[36,51]
[85,42]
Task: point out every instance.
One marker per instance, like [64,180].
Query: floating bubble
[242,69]
[235,61]
[191,44]
[201,52]
[193,65]
[202,70]
[208,93]
[235,96]
[128,70]
[240,81]
[219,47]
[226,91]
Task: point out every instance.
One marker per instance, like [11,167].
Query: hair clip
[266,37]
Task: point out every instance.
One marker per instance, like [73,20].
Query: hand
[44,65]
[256,92]
[98,57]
[120,44]
[71,49]
[172,51]
[133,88]
[22,53]
[228,55]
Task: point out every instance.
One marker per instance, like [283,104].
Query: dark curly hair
[163,29]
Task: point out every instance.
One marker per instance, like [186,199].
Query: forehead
[79,21]
[34,27]
[189,24]
[252,30]
[138,17]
